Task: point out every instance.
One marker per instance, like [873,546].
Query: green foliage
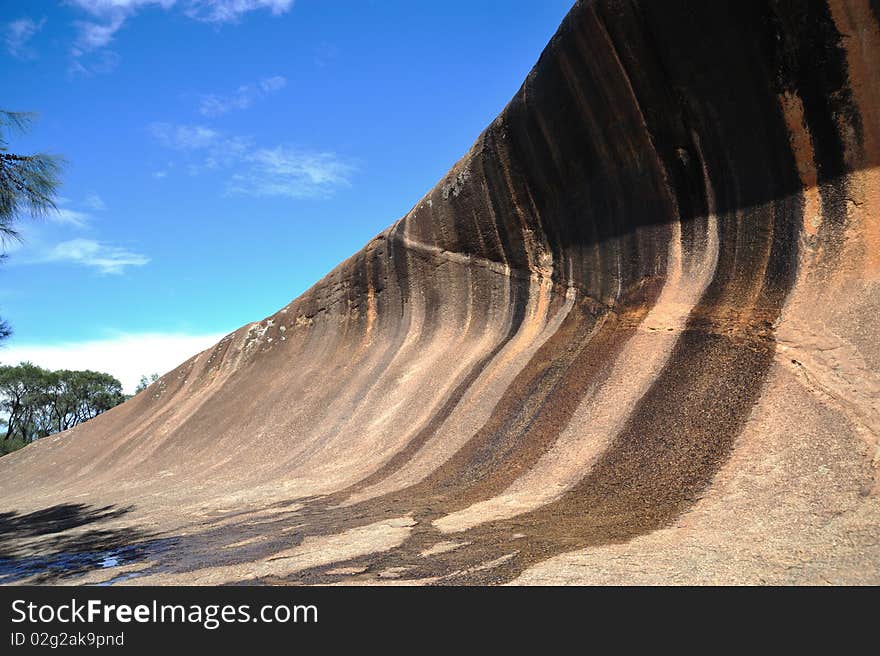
[145,382]
[10,445]
[28,183]
[37,402]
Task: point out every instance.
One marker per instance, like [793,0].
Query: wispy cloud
[245,96]
[214,149]
[104,7]
[127,356]
[221,11]
[292,173]
[18,34]
[92,36]
[98,63]
[66,216]
[257,171]
[95,202]
[106,258]
[228,11]
[184,137]
[107,17]
[41,244]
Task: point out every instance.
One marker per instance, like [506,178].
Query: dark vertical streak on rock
[805,46]
[539,403]
[436,420]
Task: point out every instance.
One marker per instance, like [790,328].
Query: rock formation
[631,337]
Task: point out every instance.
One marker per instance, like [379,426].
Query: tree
[37,402]
[145,382]
[28,183]
[21,391]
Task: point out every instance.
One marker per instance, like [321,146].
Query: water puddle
[55,567]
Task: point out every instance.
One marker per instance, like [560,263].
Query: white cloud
[292,173]
[95,202]
[228,11]
[92,36]
[109,16]
[214,150]
[127,356]
[245,96]
[260,172]
[70,217]
[212,105]
[98,63]
[40,244]
[207,10]
[105,258]
[105,7]
[158,175]
[184,137]
[272,84]
[65,215]
[17,35]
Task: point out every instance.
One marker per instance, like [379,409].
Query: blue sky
[223,155]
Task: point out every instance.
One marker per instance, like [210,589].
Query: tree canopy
[145,382]
[37,402]
[28,184]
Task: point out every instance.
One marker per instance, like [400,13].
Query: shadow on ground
[61,542]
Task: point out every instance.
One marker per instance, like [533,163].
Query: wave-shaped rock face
[630,337]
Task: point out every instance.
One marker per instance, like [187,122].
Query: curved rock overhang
[561,344]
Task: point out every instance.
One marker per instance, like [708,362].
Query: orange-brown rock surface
[631,337]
